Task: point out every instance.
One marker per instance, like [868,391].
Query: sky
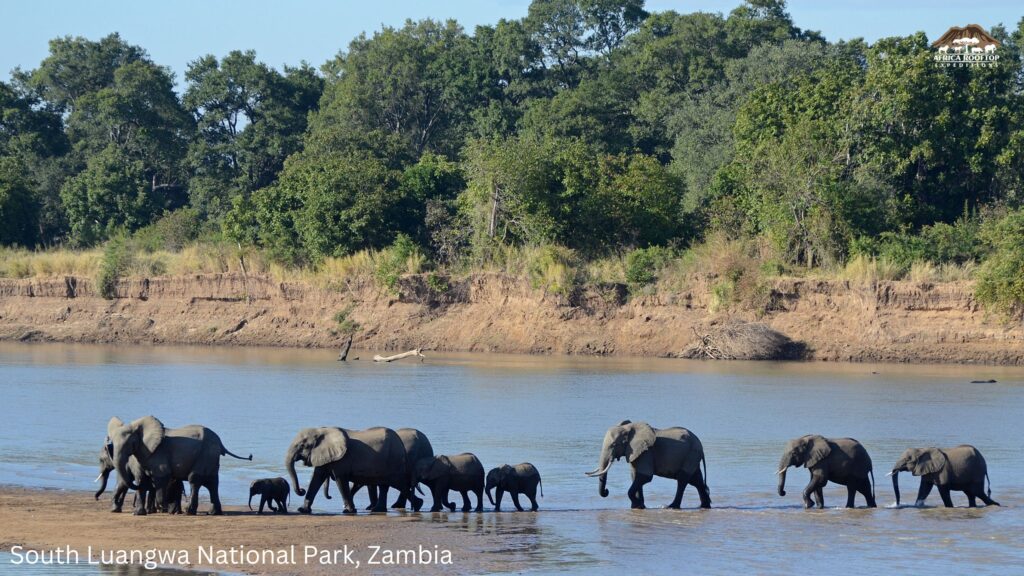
[176,32]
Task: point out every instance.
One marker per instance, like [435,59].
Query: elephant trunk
[783,466]
[603,464]
[103,486]
[782,482]
[252,492]
[896,485]
[327,488]
[489,496]
[290,458]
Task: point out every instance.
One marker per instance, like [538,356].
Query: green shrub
[346,325]
[1001,277]
[116,261]
[553,269]
[172,232]
[402,257]
[643,265]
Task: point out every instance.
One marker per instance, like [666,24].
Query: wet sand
[46,520]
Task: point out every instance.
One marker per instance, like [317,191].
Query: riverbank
[48,520]
[834,320]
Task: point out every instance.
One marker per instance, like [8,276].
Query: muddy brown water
[553,412]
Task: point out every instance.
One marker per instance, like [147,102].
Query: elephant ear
[152,431]
[929,461]
[817,451]
[642,440]
[441,467]
[330,446]
[113,427]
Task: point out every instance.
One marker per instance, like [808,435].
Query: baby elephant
[840,460]
[519,479]
[463,473]
[962,468]
[271,490]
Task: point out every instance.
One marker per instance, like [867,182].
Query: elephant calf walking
[519,479]
[463,473]
[674,453]
[271,490]
[840,460]
[962,468]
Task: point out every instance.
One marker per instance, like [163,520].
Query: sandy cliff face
[887,321]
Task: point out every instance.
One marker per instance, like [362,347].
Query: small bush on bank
[172,232]
[402,257]
[116,261]
[1001,277]
[644,265]
[552,268]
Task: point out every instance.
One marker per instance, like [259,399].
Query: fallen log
[416,352]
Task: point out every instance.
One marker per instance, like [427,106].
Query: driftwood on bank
[416,352]
[743,341]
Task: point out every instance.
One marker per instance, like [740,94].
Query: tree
[411,82]
[18,210]
[610,21]
[249,118]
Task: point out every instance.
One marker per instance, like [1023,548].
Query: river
[553,412]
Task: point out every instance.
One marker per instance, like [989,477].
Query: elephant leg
[923,492]
[971,501]
[401,501]
[213,487]
[479,499]
[984,498]
[531,493]
[118,499]
[466,506]
[819,495]
[636,491]
[348,504]
[851,494]
[320,474]
[678,500]
[498,495]
[193,501]
[697,481]
[865,489]
[381,504]
[282,504]
[944,494]
[515,500]
[415,500]
[808,492]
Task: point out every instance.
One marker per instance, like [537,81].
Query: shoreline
[48,521]
[835,321]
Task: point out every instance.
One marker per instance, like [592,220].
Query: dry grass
[867,269]
[17,263]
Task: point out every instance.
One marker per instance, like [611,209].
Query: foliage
[116,261]
[346,325]
[644,264]
[1001,278]
[402,257]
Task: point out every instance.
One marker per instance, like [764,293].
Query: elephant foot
[139,512]
[115,510]
[497,508]
[672,506]
[436,509]
[349,511]
[478,509]
[706,506]
[639,506]
[304,510]
[534,508]
[369,508]
[216,512]
[451,507]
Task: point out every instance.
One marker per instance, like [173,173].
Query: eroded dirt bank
[47,520]
[836,320]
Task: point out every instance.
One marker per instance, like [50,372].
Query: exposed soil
[46,520]
[830,320]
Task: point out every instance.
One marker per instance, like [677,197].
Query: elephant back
[676,449]
[526,470]
[856,461]
[416,444]
[966,464]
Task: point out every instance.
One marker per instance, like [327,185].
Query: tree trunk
[344,349]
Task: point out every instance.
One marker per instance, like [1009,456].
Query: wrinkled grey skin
[674,453]
[371,457]
[417,447]
[271,490]
[106,461]
[462,472]
[962,468]
[188,454]
[519,479]
[840,460]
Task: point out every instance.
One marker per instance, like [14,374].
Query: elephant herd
[157,462]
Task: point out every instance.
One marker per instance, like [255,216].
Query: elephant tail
[987,479]
[224,451]
[872,472]
[704,462]
[540,481]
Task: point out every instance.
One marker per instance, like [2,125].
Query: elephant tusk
[597,472]
[98,478]
[781,470]
[890,473]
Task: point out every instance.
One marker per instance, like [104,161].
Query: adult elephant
[417,447]
[135,476]
[190,454]
[840,460]
[962,468]
[371,457]
[674,453]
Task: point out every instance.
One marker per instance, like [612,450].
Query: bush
[643,265]
[553,269]
[116,261]
[402,257]
[172,232]
[1001,277]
